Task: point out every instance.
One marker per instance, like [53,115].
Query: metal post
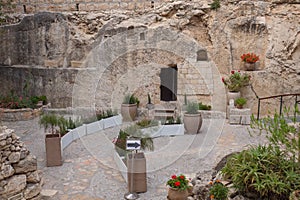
[296,99]
[258,109]
[281,101]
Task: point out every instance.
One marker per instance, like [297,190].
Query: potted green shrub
[240,102]
[129,107]
[55,127]
[192,119]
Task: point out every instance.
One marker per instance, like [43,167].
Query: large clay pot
[192,123]
[128,112]
[233,95]
[176,194]
[249,66]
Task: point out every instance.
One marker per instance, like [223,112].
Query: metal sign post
[133,145]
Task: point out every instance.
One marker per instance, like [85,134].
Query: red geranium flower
[174,177]
[177,183]
[182,177]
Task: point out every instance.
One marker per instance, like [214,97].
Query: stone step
[48,194]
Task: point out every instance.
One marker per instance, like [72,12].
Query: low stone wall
[23,114]
[19,178]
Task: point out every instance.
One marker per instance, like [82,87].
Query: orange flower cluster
[250,58]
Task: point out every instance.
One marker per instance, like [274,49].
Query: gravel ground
[89,170]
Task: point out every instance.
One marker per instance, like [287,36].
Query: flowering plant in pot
[236,81]
[178,187]
[249,60]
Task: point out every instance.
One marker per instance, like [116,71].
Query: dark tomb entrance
[168,83]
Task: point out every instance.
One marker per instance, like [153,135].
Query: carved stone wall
[25,6]
[55,83]
[268,28]
[19,176]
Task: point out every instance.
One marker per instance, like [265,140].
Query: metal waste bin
[136,172]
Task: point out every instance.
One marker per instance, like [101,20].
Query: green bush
[204,106]
[192,108]
[145,123]
[241,101]
[215,4]
[271,171]
[58,124]
[263,170]
[13,101]
[171,120]
[218,191]
[131,99]
[103,114]
[134,132]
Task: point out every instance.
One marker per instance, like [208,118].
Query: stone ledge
[23,114]
[239,119]
[236,111]
[239,116]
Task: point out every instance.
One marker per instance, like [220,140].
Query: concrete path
[89,171]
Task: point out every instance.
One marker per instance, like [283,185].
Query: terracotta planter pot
[53,150]
[233,95]
[249,66]
[175,194]
[129,112]
[239,106]
[192,123]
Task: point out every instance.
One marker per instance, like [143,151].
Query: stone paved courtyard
[89,171]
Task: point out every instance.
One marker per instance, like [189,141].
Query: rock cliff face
[18,175]
[269,28]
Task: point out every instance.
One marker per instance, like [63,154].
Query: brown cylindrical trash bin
[136,174]
[53,150]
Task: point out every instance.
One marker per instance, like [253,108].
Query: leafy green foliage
[103,114]
[218,191]
[236,81]
[178,182]
[241,101]
[145,123]
[263,170]
[13,101]
[281,133]
[215,4]
[272,170]
[5,5]
[171,120]
[58,124]
[134,132]
[192,108]
[204,106]
[131,99]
